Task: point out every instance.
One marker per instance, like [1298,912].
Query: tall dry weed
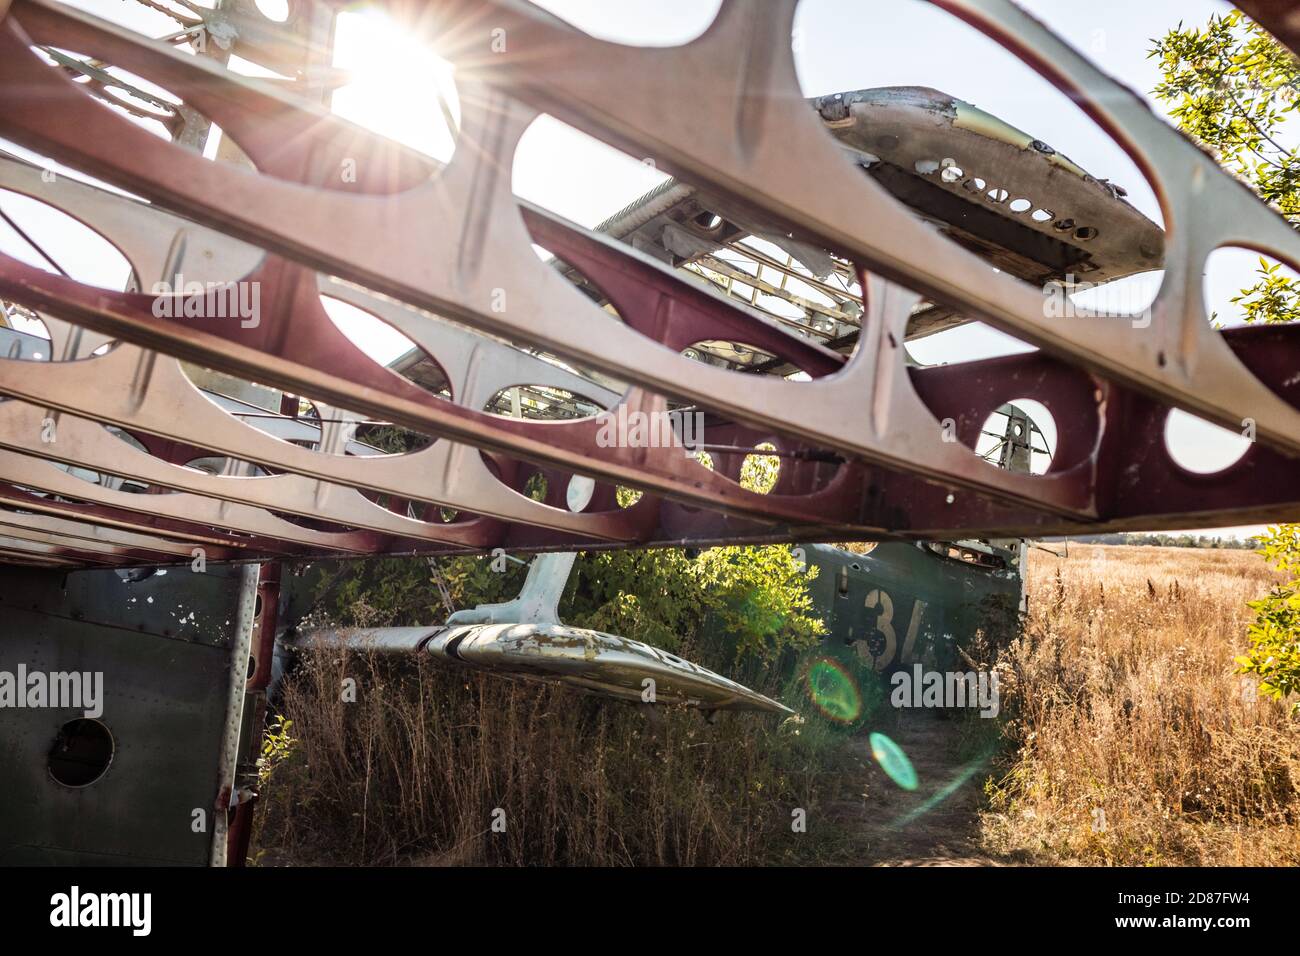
[1135,741]
[425,761]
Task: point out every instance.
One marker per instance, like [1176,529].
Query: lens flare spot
[893,761]
[833,691]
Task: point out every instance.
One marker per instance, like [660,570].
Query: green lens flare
[893,761]
[833,691]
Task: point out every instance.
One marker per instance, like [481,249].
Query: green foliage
[393,592]
[626,497]
[1272,299]
[277,746]
[760,472]
[1275,635]
[393,439]
[756,597]
[1232,87]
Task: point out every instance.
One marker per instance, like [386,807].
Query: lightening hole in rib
[760,473]
[578,493]
[1202,447]
[540,402]
[49,239]
[276,10]
[1245,287]
[387,346]
[536,487]
[1129,298]
[735,355]
[144,103]
[649,23]
[1020,436]
[556,164]
[23,335]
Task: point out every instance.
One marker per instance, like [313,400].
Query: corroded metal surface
[602,663]
[591,661]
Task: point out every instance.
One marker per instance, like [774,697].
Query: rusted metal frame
[1262,486]
[83,442]
[49,555]
[300,47]
[173,409]
[22,556]
[262,528]
[255,702]
[1141,482]
[680,524]
[1078,415]
[89,445]
[73,449]
[83,551]
[223,545]
[476,372]
[180,413]
[662,307]
[480,366]
[89,537]
[183,414]
[724,279]
[680,314]
[41,384]
[746,57]
[549,302]
[241,646]
[101,80]
[902,522]
[737,274]
[148,544]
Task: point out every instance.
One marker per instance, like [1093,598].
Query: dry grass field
[1136,742]
[439,767]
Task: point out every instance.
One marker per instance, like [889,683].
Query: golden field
[1132,739]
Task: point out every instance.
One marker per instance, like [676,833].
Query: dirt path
[935,825]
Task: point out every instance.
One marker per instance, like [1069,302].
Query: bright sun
[400,89]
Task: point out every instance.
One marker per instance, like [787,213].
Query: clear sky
[840,45]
